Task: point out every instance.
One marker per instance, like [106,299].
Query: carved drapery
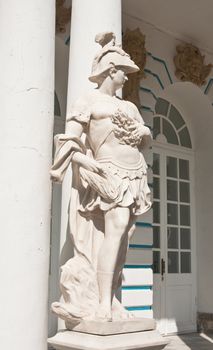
[189,63]
[63,15]
[134,45]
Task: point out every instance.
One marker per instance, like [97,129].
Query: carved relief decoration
[63,15]
[189,63]
[134,45]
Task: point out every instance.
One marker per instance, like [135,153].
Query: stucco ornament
[63,15]
[189,63]
[109,188]
[134,44]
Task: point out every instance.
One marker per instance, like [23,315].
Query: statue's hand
[87,163]
[139,130]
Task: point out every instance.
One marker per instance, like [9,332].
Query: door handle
[163,268]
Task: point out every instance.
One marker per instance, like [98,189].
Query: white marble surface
[69,340]
[110,328]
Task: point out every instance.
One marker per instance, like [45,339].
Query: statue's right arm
[70,148]
[76,129]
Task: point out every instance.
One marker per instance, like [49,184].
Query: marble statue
[109,188]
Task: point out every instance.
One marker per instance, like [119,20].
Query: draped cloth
[78,282]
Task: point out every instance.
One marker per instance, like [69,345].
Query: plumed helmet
[111,55]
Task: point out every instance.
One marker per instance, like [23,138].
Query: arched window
[169,126]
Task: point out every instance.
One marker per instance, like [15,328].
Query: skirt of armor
[119,186]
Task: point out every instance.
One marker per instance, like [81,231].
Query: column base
[71,340]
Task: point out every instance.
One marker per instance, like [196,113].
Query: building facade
[168,270]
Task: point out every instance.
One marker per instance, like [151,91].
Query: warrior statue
[109,188]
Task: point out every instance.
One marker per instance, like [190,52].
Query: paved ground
[192,341]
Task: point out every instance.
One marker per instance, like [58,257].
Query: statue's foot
[104,313]
[119,312]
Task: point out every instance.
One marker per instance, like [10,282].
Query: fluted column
[26,103]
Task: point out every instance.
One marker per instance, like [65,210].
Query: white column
[26,105]
[88,19]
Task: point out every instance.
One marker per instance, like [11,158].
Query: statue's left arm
[139,130]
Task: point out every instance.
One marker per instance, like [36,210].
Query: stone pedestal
[116,335]
[111,328]
[71,340]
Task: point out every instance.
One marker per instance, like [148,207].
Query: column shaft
[27,101]
[88,19]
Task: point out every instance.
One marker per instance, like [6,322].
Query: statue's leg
[123,251]
[98,237]
[118,310]
[116,232]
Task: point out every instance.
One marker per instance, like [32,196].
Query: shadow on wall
[58,256]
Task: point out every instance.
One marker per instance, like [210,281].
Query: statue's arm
[76,128]
[65,147]
[70,148]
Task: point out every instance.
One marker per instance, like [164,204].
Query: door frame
[167,149]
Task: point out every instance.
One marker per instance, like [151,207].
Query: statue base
[72,340]
[108,328]
[117,335]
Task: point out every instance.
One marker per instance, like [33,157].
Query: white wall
[198,114]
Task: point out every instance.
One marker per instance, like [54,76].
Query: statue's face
[119,78]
